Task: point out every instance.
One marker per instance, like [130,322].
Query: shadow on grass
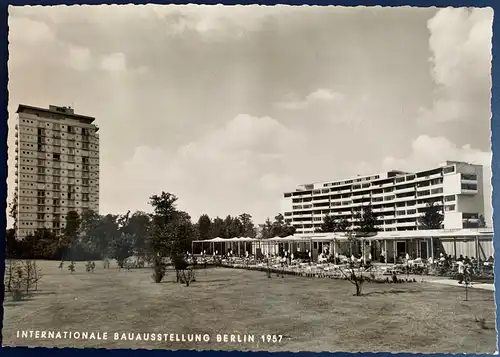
[392,292]
[45,293]
[12,303]
[215,281]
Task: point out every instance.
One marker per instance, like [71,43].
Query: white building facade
[57,167]
[397,198]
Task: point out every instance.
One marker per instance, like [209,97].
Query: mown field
[310,314]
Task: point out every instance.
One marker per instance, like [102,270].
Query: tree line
[167,231]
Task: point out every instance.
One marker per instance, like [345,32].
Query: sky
[228,107]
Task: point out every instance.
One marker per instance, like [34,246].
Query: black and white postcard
[252,178]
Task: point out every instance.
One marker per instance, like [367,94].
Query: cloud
[277,183]
[219,21]
[79,58]
[27,35]
[428,151]
[320,95]
[26,31]
[460,44]
[221,168]
[114,63]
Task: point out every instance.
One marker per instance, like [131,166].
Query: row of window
[58,172]
[445,170]
[30,134]
[374,201]
[56,186]
[56,202]
[70,192]
[380,199]
[369,191]
[469,177]
[60,127]
[56,162]
[56,179]
[361,179]
[50,209]
[469,186]
[51,148]
[58,156]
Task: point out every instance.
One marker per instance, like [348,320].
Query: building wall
[451,184]
[286,206]
[57,170]
[467,248]
[399,198]
[453,220]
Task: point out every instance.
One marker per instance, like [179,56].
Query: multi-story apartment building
[397,198]
[57,167]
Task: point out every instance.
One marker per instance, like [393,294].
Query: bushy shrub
[72,267]
[21,278]
[186,276]
[159,269]
[90,266]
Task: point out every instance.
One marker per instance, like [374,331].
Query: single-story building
[392,246]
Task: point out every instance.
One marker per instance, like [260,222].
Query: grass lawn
[311,314]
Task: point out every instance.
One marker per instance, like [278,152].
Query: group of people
[464,265]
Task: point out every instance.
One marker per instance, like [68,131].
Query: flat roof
[427,233]
[383,176]
[22,108]
[394,235]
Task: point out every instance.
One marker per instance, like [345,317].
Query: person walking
[461,270]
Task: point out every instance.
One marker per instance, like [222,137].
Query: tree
[267,229]
[432,217]
[173,240]
[73,224]
[229,228]
[13,210]
[204,227]
[168,233]
[248,228]
[89,221]
[70,234]
[342,225]
[164,206]
[42,244]
[182,234]
[217,228]
[123,244]
[277,226]
[101,235]
[138,225]
[368,222]
[354,271]
[329,224]
[365,224]
[11,244]
[235,228]
[122,247]
[287,230]
[46,244]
